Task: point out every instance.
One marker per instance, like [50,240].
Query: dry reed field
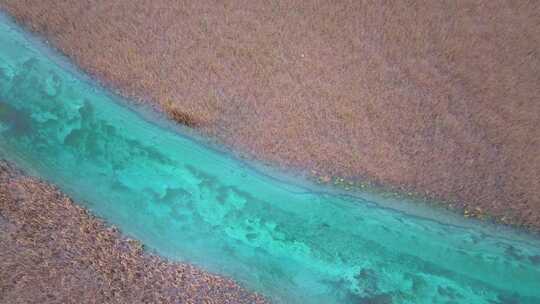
[53,251]
[439,98]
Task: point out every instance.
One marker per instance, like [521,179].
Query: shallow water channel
[189,202]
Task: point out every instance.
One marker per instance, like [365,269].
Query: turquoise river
[291,241]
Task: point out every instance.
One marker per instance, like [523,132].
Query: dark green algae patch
[188,202]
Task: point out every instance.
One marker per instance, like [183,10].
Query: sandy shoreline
[440,100]
[53,251]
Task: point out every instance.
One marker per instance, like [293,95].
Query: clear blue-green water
[188,202]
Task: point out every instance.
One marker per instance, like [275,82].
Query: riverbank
[439,100]
[53,251]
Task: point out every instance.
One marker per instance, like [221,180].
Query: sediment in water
[189,202]
[437,99]
[53,251]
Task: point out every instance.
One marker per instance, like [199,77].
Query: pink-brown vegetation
[53,251]
[441,98]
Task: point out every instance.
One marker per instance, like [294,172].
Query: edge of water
[150,114]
